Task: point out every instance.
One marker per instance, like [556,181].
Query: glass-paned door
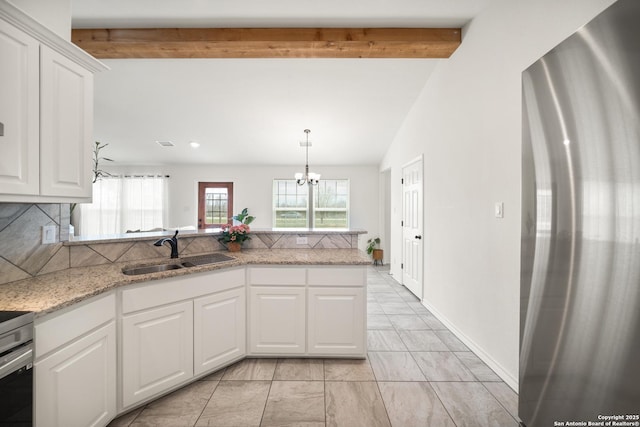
[215,204]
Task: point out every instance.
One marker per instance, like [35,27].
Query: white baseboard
[509,379]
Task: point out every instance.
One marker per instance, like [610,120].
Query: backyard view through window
[215,204]
[331,202]
[330,208]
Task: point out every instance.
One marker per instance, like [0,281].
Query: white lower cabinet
[158,350]
[75,367]
[176,328]
[277,320]
[219,329]
[312,311]
[336,323]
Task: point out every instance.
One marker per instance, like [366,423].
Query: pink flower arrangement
[235,233]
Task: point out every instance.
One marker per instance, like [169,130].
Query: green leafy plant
[372,244]
[244,217]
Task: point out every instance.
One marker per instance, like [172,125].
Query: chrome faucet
[173,241]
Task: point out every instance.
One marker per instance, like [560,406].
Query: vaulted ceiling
[254,110]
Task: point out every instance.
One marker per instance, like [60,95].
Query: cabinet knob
[418,237]
[1,129]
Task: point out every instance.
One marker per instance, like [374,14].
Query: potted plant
[234,235]
[374,250]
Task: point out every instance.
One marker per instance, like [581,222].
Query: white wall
[252,187]
[53,14]
[467,123]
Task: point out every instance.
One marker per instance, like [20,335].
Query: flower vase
[234,246]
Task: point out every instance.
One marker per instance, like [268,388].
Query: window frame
[312,207]
[202,188]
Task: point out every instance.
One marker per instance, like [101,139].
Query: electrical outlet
[301,240]
[48,234]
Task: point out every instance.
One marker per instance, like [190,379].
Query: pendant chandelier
[308,177]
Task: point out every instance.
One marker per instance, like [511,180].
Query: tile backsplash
[22,254]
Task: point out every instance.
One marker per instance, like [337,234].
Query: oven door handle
[16,360]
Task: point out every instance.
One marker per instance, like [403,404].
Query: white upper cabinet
[66,126]
[46,113]
[19,111]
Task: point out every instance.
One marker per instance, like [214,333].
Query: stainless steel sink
[206,259]
[134,271]
[185,262]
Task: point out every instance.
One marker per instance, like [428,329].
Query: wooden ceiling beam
[268,42]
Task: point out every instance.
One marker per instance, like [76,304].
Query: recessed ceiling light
[165,143]
[194,144]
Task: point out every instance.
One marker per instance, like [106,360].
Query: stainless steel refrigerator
[580,252]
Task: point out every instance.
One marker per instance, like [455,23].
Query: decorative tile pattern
[332,241]
[59,261]
[22,253]
[111,251]
[82,256]
[200,245]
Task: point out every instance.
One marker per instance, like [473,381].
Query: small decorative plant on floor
[234,235]
[373,250]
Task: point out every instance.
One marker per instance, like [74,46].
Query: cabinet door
[76,386]
[219,329]
[157,350]
[66,126]
[336,321]
[277,320]
[19,112]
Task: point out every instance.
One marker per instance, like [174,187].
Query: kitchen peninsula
[118,341]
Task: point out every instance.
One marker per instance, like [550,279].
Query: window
[331,203]
[330,208]
[290,204]
[215,204]
[124,204]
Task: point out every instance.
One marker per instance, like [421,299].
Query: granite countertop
[50,292]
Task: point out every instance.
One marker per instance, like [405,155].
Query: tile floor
[417,374]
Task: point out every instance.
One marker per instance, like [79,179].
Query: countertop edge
[54,291]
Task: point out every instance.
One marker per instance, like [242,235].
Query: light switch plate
[48,234]
[499,209]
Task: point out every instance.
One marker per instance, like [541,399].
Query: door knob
[418,237]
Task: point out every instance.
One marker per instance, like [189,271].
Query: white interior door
[412,227]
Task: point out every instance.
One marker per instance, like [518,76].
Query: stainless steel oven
[16,369]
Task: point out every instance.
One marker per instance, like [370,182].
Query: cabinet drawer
[337,276]
[277,276]
[51,333]
[166,291]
